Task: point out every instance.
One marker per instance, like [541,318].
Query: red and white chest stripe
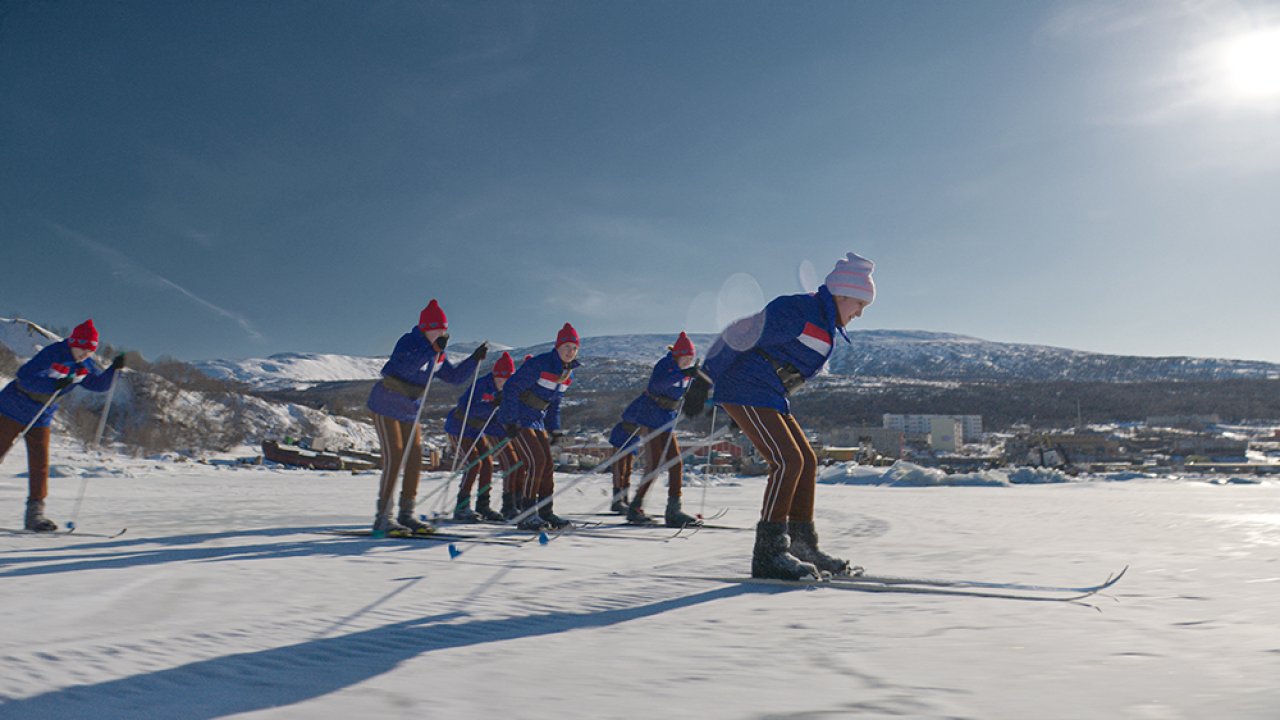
[58,371]
[551,381]
[816,339]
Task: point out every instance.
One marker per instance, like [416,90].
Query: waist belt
[38,397]
[528,398]
[630,428]
[791,377]
[663,402]
[476,423]
[402,387]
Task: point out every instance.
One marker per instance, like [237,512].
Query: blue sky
[236,179]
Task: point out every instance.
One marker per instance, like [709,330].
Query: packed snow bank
[905,474]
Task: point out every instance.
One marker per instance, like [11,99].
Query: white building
[945,433]
[923,424]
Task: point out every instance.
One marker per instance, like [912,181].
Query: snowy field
[223,600]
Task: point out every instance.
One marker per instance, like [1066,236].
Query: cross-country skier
[755,364]
[475,437]
[31,400]
[654,409]
[396,401]
[530,413]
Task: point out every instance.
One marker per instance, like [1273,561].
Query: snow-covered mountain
[615,360]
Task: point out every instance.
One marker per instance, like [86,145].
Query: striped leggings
[533,447]
[793,466]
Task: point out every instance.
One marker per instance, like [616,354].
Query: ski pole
[430,498]
[106,409]
[409,441]
[467,413]
[598,468]
[706,469]
[462,436]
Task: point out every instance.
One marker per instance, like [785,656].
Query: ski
[434,537]
[938,582]
[852,584]
[63,533]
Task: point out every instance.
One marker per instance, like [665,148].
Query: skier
[29,402]
[472,439]
[754,365]
[396,402]
[530,414]
[654,409]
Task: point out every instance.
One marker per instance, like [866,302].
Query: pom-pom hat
[683,347]
[432,317]
[505,367]
[852,278]
[567,335]
[84,336]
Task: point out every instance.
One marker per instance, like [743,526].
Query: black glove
[696,396]
[441,342]
[479,353]
[62,383]
[497,398]
[692,370]
[118,362]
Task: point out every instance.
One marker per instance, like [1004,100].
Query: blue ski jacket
[790,337]
[484,403]
[399,393]
[531,398]
[22,398]
[656,406]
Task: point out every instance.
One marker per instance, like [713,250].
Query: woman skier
[27,405]
[530,415]
[653,410]
[396,402]
[473,439]
[754,365]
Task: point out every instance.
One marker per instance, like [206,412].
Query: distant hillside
[618,361]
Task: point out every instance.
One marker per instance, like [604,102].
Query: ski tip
[542,538]
[454,551]
[378,534]
[71,525]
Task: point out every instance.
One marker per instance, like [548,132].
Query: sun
[1252,64]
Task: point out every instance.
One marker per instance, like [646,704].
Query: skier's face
[567,352]
[684,362]
[849,308]
[498,382]
[80,353]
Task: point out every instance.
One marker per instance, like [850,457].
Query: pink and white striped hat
[852,278]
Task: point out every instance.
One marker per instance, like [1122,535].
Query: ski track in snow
[225,600]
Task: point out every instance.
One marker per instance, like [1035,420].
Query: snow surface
[224,600]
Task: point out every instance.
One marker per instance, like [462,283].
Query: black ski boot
[677,518]
[384,526]
[804,545]
[508,506]
[620,504]
[770,558]
[35,520]
[549,516]
[636,514]
[484,512]
[408,519]
[462,511]
[532,522]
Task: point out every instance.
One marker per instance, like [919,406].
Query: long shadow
[295,673]
[125,557]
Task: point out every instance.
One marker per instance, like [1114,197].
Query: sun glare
[1253,65]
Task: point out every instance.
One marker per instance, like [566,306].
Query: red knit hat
[432,318]
[683,347]
[84,336]
[505,367]
[567,335]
